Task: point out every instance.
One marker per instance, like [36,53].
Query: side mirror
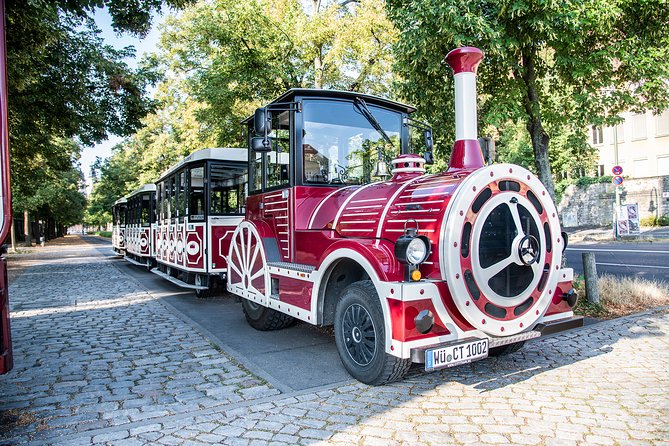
[260,118]
[260,144]
[429,144]
[429,157]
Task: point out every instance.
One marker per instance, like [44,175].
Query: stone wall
[583,206]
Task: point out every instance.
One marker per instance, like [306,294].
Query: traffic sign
[617,170]
[617,180]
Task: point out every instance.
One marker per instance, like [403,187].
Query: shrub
[655,221]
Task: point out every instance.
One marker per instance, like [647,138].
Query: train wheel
[263,318]
[201,280]
[506,349]
[248,276]
[360,336]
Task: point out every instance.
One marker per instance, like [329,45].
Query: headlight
[416,251]
[412,249]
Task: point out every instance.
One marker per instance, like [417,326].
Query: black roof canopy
[289,96]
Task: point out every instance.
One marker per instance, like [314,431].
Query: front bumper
[542,329]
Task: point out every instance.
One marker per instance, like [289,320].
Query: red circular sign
[617,170]
[617,180]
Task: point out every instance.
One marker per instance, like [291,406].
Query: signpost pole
[617,188]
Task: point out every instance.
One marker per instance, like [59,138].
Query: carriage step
[292,266]
[176,281]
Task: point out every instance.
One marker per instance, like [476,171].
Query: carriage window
[174,202]
[340,146]
[146,210]
[122,214]
[256,166]
[181,183]
[227,190]
[196,194]
[277,161]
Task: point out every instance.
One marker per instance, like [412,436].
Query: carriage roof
[150,187]
[236,155]
[291,94]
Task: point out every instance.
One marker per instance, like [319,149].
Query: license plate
[452,355]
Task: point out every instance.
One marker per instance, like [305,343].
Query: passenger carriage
[119,214]
[199,203]
[440,269]
[140,226]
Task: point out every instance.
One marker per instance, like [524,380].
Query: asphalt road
[647,260]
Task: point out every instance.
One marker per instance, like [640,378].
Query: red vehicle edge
[6,361]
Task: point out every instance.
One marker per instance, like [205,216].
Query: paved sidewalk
[100,361]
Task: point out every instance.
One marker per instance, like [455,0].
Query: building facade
[642,145]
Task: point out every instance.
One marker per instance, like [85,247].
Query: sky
[145,45]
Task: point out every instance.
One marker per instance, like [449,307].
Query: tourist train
[409,267]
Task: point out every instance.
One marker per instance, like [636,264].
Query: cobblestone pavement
[114,366]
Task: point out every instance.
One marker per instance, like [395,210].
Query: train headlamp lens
[412,249]
[416,251]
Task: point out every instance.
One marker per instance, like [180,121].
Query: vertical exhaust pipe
[466,151]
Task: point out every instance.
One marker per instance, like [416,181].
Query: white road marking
[634,266]
[619,250]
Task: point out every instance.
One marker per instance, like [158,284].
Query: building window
[620,133]
[638,126]
[663,165]
[597,135]
[641,168]
[662,124]
[600,170]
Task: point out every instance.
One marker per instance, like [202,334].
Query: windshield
[340,145]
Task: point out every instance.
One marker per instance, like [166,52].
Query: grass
[107,234]
[620,296]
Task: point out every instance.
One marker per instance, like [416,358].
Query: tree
[116,179]
[66,89]
[234,56]
[550,64]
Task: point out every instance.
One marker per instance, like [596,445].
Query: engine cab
[199,203]
[345,227]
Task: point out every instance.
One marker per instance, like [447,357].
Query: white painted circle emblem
[192,248]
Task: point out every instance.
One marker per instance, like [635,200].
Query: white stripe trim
[348,200]
[360,214]
[318,208]
[368,199]
[391,201]
[422,220]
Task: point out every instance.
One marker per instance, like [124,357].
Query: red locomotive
[440,269]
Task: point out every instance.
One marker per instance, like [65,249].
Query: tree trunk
[318,60]
[26,228]
[538,136]
[318,70]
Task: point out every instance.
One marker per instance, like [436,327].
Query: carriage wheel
[247,266]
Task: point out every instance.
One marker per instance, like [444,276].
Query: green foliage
[115,177]
[235,56]
[222,59]
[662,220]
[66,89]
[554,66]
[106,234]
